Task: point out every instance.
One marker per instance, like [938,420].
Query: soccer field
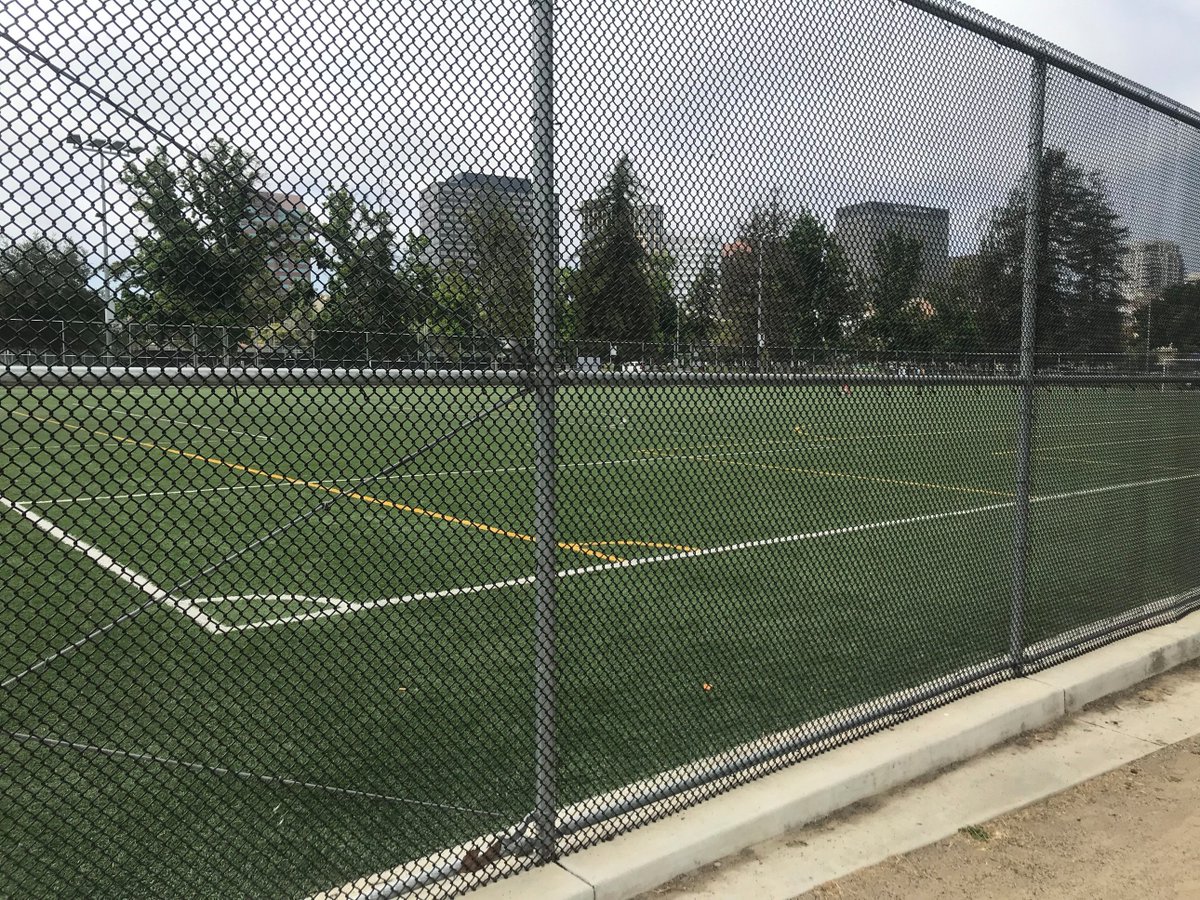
[798,549]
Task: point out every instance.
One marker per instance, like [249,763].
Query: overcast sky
[1150,41]
[721,106]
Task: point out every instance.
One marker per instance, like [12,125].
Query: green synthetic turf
[837,575]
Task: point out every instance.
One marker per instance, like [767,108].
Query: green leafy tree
[754,272]
[615,299]
[1174,321]
[200,263]
[369,289]
[699,323]
[502,274]
[1079,272]
[567,308]
[951,327]
[821,298]
[456,303]
[894,322]
[662,287]
[43,280]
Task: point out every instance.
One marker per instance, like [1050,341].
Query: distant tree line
[206,257]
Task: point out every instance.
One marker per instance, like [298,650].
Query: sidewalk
[1075,832]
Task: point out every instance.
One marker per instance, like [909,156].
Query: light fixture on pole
[104,147]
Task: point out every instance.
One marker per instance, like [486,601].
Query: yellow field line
[828,473]
[653,545]
[721,446]
[316,486]
[812,435]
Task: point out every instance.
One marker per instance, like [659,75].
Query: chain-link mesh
[438,438]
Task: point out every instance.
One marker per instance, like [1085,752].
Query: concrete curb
[656,853]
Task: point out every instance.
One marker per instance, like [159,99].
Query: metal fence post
[1033,191]
[545,260]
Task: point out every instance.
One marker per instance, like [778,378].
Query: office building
[647,223]
[448,211]
[1150,268]
[860,229]
[283,219]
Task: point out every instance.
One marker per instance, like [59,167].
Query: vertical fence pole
[545,264]
[1033,193]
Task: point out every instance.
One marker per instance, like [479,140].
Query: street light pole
[758,339]
[102,147]
[1149,310]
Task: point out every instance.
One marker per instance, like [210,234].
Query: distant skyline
[820,103]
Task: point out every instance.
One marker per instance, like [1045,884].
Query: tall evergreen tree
[613,291]
[1080,245]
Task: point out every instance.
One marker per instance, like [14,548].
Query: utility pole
[115,148]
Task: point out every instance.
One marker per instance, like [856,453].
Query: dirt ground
[1132,833]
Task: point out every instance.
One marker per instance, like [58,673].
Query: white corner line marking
[114,568]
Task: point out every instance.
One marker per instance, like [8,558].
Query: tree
[40,281]
[200,263]
[1174,321]
[662,288]
[894,322]
[1079,272]
[951,327]
[368,289]
[700,310]
[502,274]
[816,279]
[613,290]
[754,269]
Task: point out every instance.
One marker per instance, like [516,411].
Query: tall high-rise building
[861,227]
[1150,268]
[284,222]
[648,224]
[447,209]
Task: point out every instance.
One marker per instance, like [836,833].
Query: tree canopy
[43,280]
[613,291]
[1079,272]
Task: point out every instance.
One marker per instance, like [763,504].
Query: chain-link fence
[438,438]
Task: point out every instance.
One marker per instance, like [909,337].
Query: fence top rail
[20,375]
[1024,42]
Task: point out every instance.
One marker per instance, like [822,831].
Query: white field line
[120,412]
[117,570]
[1000,429]
[124,413]
[342,607]
[142,495]
[1145,440]
[87,444]
[1124,464]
